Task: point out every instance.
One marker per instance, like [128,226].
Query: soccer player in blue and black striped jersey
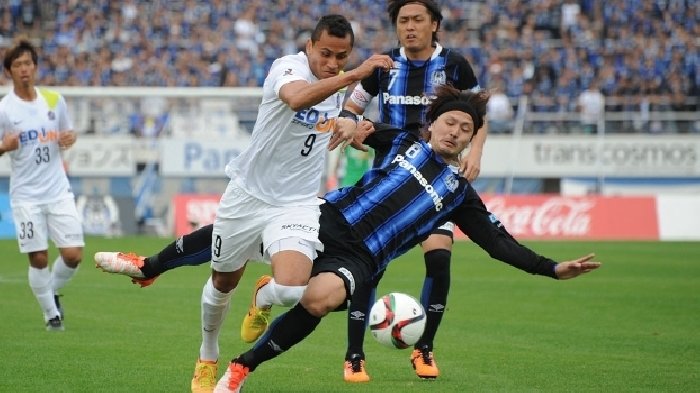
[403,93]
[390,210]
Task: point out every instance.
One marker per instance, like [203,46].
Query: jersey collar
[436,52]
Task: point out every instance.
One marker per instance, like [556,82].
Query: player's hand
[364,129]
[575,268]
[343,132]
[470,166]
[368,66]
[10,141]
[66,139]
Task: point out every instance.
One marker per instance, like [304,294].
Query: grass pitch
[631,326]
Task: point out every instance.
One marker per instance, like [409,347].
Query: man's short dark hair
[335,25]
[18,50]
[432,7]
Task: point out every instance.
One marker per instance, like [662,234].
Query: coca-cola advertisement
[554,217]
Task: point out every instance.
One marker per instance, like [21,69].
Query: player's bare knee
[72,256]
[317,307]
[225,281]
[38,259]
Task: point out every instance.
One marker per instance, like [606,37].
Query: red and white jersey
[38,175]
[285,160]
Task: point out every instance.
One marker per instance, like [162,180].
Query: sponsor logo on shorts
[72,236]
[436,308]
[348,274]
[299,227]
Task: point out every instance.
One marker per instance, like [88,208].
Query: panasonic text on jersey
[437,200]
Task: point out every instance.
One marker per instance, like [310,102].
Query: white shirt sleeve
[4,123]
[284,71]
[64,120]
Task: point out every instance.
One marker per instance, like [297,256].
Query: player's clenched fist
[368,66]
[10,141]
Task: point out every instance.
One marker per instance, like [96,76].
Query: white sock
[40,282]
[278,295]
[61,274]
[215,305]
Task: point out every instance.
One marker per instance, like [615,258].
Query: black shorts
[446,229]
[343,254]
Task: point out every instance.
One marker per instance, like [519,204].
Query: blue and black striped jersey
[405,91]
[396,206]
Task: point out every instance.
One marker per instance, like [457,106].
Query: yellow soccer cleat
[256,321]
[204,379]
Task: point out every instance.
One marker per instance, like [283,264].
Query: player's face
[451,133]
[415,27]
[22,70]
[329,55]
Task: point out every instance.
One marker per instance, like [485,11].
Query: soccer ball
[397,320]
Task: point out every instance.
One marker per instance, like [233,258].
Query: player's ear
[309,45]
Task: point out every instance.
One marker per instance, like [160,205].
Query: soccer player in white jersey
[270,205]
[35,127]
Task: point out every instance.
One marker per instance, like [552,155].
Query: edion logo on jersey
[314,120]
[42,136]
[406,100]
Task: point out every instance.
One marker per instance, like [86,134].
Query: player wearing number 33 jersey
[38,175]
[34,128]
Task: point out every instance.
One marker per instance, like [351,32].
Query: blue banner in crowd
[7,226]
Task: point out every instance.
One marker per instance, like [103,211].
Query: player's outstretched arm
[300,94]
[577,267]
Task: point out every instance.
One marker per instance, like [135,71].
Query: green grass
[631,326]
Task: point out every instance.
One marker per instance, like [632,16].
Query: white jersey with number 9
[286,157]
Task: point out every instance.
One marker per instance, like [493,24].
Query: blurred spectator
[591,105]
[499,110]
[630,46]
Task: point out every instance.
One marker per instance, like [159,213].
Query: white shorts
[247,228]
[35,224]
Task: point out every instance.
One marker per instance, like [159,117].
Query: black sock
[434,295]
[188,250]
[286,330]
[358,314]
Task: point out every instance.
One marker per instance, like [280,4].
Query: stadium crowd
[638,54]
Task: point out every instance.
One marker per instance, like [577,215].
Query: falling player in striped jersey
[35,127]
[389,211]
